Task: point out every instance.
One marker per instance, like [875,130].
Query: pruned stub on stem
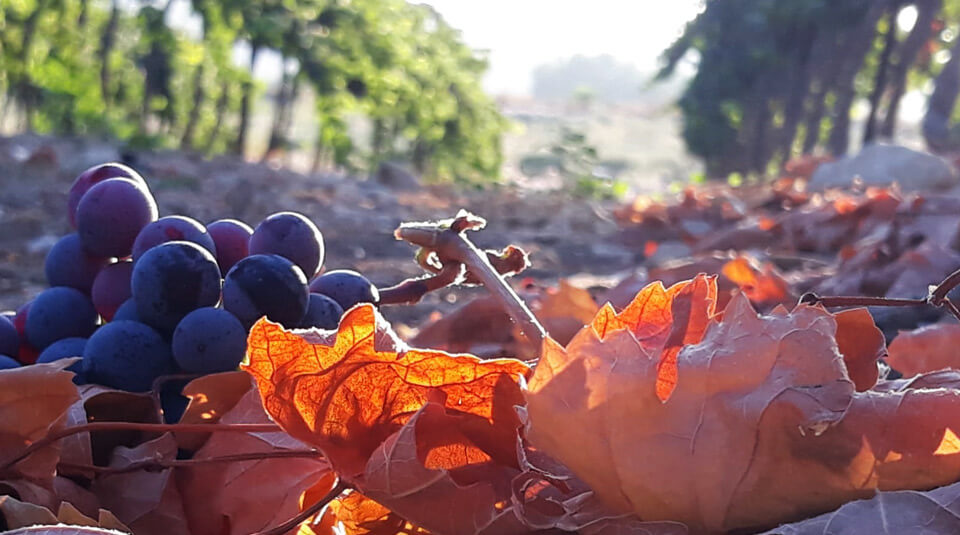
[449,257]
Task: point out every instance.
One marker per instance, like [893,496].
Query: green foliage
[778,78]
[579,164]
[118,69]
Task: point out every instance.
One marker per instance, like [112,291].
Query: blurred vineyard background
[748,85]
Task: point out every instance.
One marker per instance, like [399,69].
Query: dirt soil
[357,217]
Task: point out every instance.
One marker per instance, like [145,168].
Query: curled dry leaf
[643,404]
[34,400]
[929,348]
[249,496]
[936,512]
[762,284]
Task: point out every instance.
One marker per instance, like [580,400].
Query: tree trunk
[107,41]
[240,144]
[905,57]
[281,104]
[82,18]
[844,92]
[222,104]
[883,68]
[939,134]
[199,96]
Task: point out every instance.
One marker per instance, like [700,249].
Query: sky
[522,34]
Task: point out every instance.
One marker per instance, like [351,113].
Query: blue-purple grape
[8,363]
[111,288]
[111,214]
[232,239]
[59,313]
[322,313]
[93,176]
[173,279]
[63,349]
[172,228]
[266,285]
[292,236]
[209,340]
[68,264]
[9,337]
[346,287]
[126,355]
[127,311]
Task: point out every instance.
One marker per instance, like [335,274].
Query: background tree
[775,79]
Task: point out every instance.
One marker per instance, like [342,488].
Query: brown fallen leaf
[927,349]
[862,344]
[146,501]
[936,512]
[762,284]
[249,496]
[769,395]
[211,396]
[34,401]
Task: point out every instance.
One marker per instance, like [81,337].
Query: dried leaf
[146,501]
[936,512]
[927,349]
[211,396]
[431,436]
[763,285]
[862,344]
[17,514]
[769,395]
[359,515]
[34,401]
[249,496]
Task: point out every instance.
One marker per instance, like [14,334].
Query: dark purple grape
[232,239]
[127,355]
[59,313]
[127,311]
[265,285]
[111,214]
[209,340]
[9,337]
[68,264]
[64,349]
[172,401]
[346,287]
[172,279]
[292,236]
[322,313]
[8,363]
[111,288]
[95,175]
[172,228]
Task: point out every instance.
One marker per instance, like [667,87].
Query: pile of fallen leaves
[681,409]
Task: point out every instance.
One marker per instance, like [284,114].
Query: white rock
[881,165]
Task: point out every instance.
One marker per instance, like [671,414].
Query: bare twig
[811,298]
[412,291]
[136,426]
[448,240]
[308,512]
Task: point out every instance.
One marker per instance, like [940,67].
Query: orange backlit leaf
[949,444]
[348,397]
[762,284]
[862,344]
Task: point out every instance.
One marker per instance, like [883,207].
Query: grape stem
[135,426]
[162,464]
[292,523]
[447,240]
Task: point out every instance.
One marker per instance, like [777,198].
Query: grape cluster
[138,297]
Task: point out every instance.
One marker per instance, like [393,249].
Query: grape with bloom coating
[111,214]
[322,313]
[93,176]
[59,313]
[172,228]
[173,279]
[111,288]
[127,355]
[265,285]
[292,236]
[209,340]
[232,239]
[68,264]
[346,287]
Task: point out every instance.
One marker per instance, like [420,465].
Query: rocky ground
[357,216]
